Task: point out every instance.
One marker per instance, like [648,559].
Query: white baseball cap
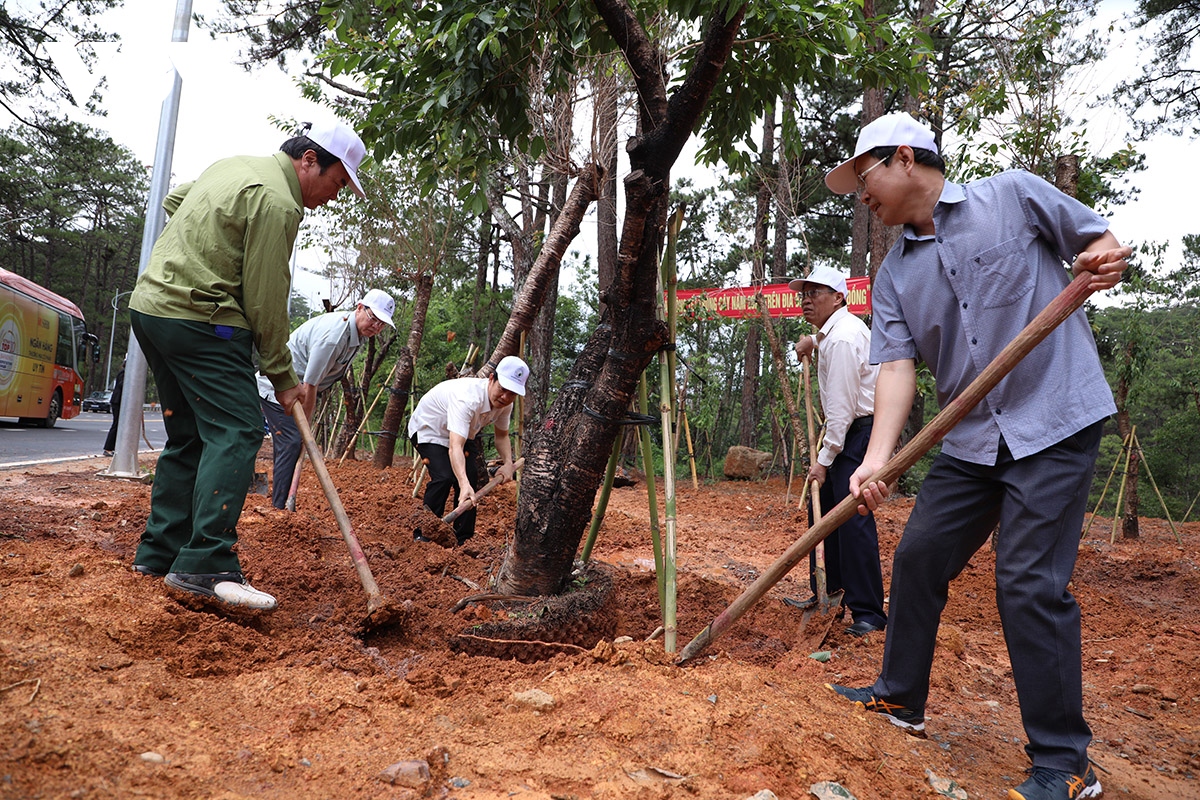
[381,304]
[890,130]
[825,276]
[512,373]
[340,140]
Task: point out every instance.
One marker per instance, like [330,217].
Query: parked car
[100,402]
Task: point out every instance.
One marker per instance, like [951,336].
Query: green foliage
[1163,401]
[29,74]
[72,205]
[1165,97]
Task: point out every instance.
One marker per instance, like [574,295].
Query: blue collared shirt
[958,297]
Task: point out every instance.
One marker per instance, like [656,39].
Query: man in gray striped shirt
[975,264]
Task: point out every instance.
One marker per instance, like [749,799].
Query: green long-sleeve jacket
[223,256]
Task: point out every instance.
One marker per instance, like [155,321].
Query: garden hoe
[440,530]
[829,607]
[1067,302]
[379,611]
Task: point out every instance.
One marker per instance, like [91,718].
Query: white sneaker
[227,588]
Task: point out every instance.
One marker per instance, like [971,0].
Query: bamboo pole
[610,474]
[1067,302]
[1103,493]
[666,391]
[367,416]
[687,432]
[652,491]
[795,451]
[1118,512]
[1188,513]
[1138,444]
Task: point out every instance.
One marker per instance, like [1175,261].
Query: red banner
[739,302]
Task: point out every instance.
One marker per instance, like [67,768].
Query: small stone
[763,794]
[1143,688]
[829,790]
[151,757]
[459,783]
[76,571]
[535,699]
[413,774]
[712,698]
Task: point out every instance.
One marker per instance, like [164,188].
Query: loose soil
[110,687]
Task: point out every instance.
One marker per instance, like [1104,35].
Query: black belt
[869,419]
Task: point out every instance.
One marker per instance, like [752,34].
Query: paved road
[81,436]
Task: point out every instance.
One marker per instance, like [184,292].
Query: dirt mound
[111,688]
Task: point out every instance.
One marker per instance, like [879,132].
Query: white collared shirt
[322,349]
[846,378]
[458,405]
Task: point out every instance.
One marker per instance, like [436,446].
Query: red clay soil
[112,688]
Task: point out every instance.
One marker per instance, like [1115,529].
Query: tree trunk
[566,455]
[397,405]
[752,365]
[1129,511]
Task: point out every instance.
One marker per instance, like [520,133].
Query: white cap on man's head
[890,130]
[825,276]
[341,140]
[512,373]
[381,305]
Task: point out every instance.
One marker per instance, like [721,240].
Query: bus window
[64,354]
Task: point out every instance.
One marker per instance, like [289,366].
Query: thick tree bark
[567,453]
[397,404]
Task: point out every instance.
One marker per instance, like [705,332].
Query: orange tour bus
[43,345]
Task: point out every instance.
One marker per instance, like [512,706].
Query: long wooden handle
[1067,302]
[492,484]
[375,598]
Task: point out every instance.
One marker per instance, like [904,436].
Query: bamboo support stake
[687,433]
[652,491]
[367,416]
[1138,444]
[1118,511]
[1103,493]
[1067,302]
[610,474]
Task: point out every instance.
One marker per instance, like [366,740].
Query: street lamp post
[112,334]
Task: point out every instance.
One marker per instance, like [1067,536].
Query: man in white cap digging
[443,428]
[846,379]
[216,289]
[322,350]
[975,264]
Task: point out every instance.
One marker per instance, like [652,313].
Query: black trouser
[286,444]
[442,481]
[852,551]
[1039,502]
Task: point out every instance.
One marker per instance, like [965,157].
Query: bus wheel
[55,411]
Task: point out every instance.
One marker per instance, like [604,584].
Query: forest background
[473,164]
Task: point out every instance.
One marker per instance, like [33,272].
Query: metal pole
[125,463]
[112,334]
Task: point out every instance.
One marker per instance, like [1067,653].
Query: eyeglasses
[862,176]
[810,293]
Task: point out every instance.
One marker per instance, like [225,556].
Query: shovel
[1067,302]
[378,609]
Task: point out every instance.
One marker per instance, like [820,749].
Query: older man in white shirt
[846,380]
[322,350]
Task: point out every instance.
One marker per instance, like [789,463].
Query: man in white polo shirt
[846,379]
[443,429]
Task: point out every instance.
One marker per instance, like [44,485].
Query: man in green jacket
[215,289]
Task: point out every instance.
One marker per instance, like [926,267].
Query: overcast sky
[226,111]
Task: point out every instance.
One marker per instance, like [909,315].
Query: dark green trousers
[205,381]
